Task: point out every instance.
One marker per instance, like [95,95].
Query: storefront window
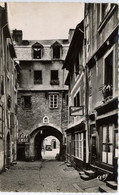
[79,145]
[75,144]
[68,144]
[107,147]
[116,144]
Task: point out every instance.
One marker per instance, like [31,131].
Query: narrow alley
[59,97]
[47,175]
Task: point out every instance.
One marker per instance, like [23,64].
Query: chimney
[17,36]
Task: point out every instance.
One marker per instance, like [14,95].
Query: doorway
[93,149]
[21,152]
[8,151]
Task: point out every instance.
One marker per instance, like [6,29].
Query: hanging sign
[76,111]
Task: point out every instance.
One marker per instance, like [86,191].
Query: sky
[44,20]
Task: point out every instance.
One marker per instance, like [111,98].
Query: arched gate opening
[39,135]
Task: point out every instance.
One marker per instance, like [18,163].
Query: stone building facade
[42,106]
[101,33]
[100,92]
[77,148]
[8,94]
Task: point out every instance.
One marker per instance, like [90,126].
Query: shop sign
[76,111]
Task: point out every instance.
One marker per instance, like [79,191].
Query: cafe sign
[76,111]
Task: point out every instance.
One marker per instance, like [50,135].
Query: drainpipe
[86,97]
[4,69]
[86,113]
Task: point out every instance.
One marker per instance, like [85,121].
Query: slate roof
[47,42]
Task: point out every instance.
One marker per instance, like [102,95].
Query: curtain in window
[107,146]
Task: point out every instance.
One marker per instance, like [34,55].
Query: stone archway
[37,137]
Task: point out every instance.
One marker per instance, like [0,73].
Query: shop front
[76,146]
[107,139]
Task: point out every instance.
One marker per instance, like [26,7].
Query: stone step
[85,177]
[112,184]
[106,189]
[90,173]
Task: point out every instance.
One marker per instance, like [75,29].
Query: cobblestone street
[47,175]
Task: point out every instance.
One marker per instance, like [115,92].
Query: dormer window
[56,50]
[37,50]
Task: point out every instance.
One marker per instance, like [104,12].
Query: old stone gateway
[31,148]
[37,137]
[42,94]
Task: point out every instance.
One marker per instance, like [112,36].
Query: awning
[79,127]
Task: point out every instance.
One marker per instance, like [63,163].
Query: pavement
[47,175]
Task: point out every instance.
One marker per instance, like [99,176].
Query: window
[73,144]
[116,143]
[56,48]
[108,76]
[107,147]
[38,77]
[77,99]
[109,69]
[67,99]
[56,52]
[8,85]
[37,53]
[53,101]
[45,119]
[2,85]
[26,102]
[68,147]
[104,8]
[76,145]
[37,50]
[79,145]
[54,77]
[104,11]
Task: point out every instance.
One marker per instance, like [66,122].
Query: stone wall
[29,119]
